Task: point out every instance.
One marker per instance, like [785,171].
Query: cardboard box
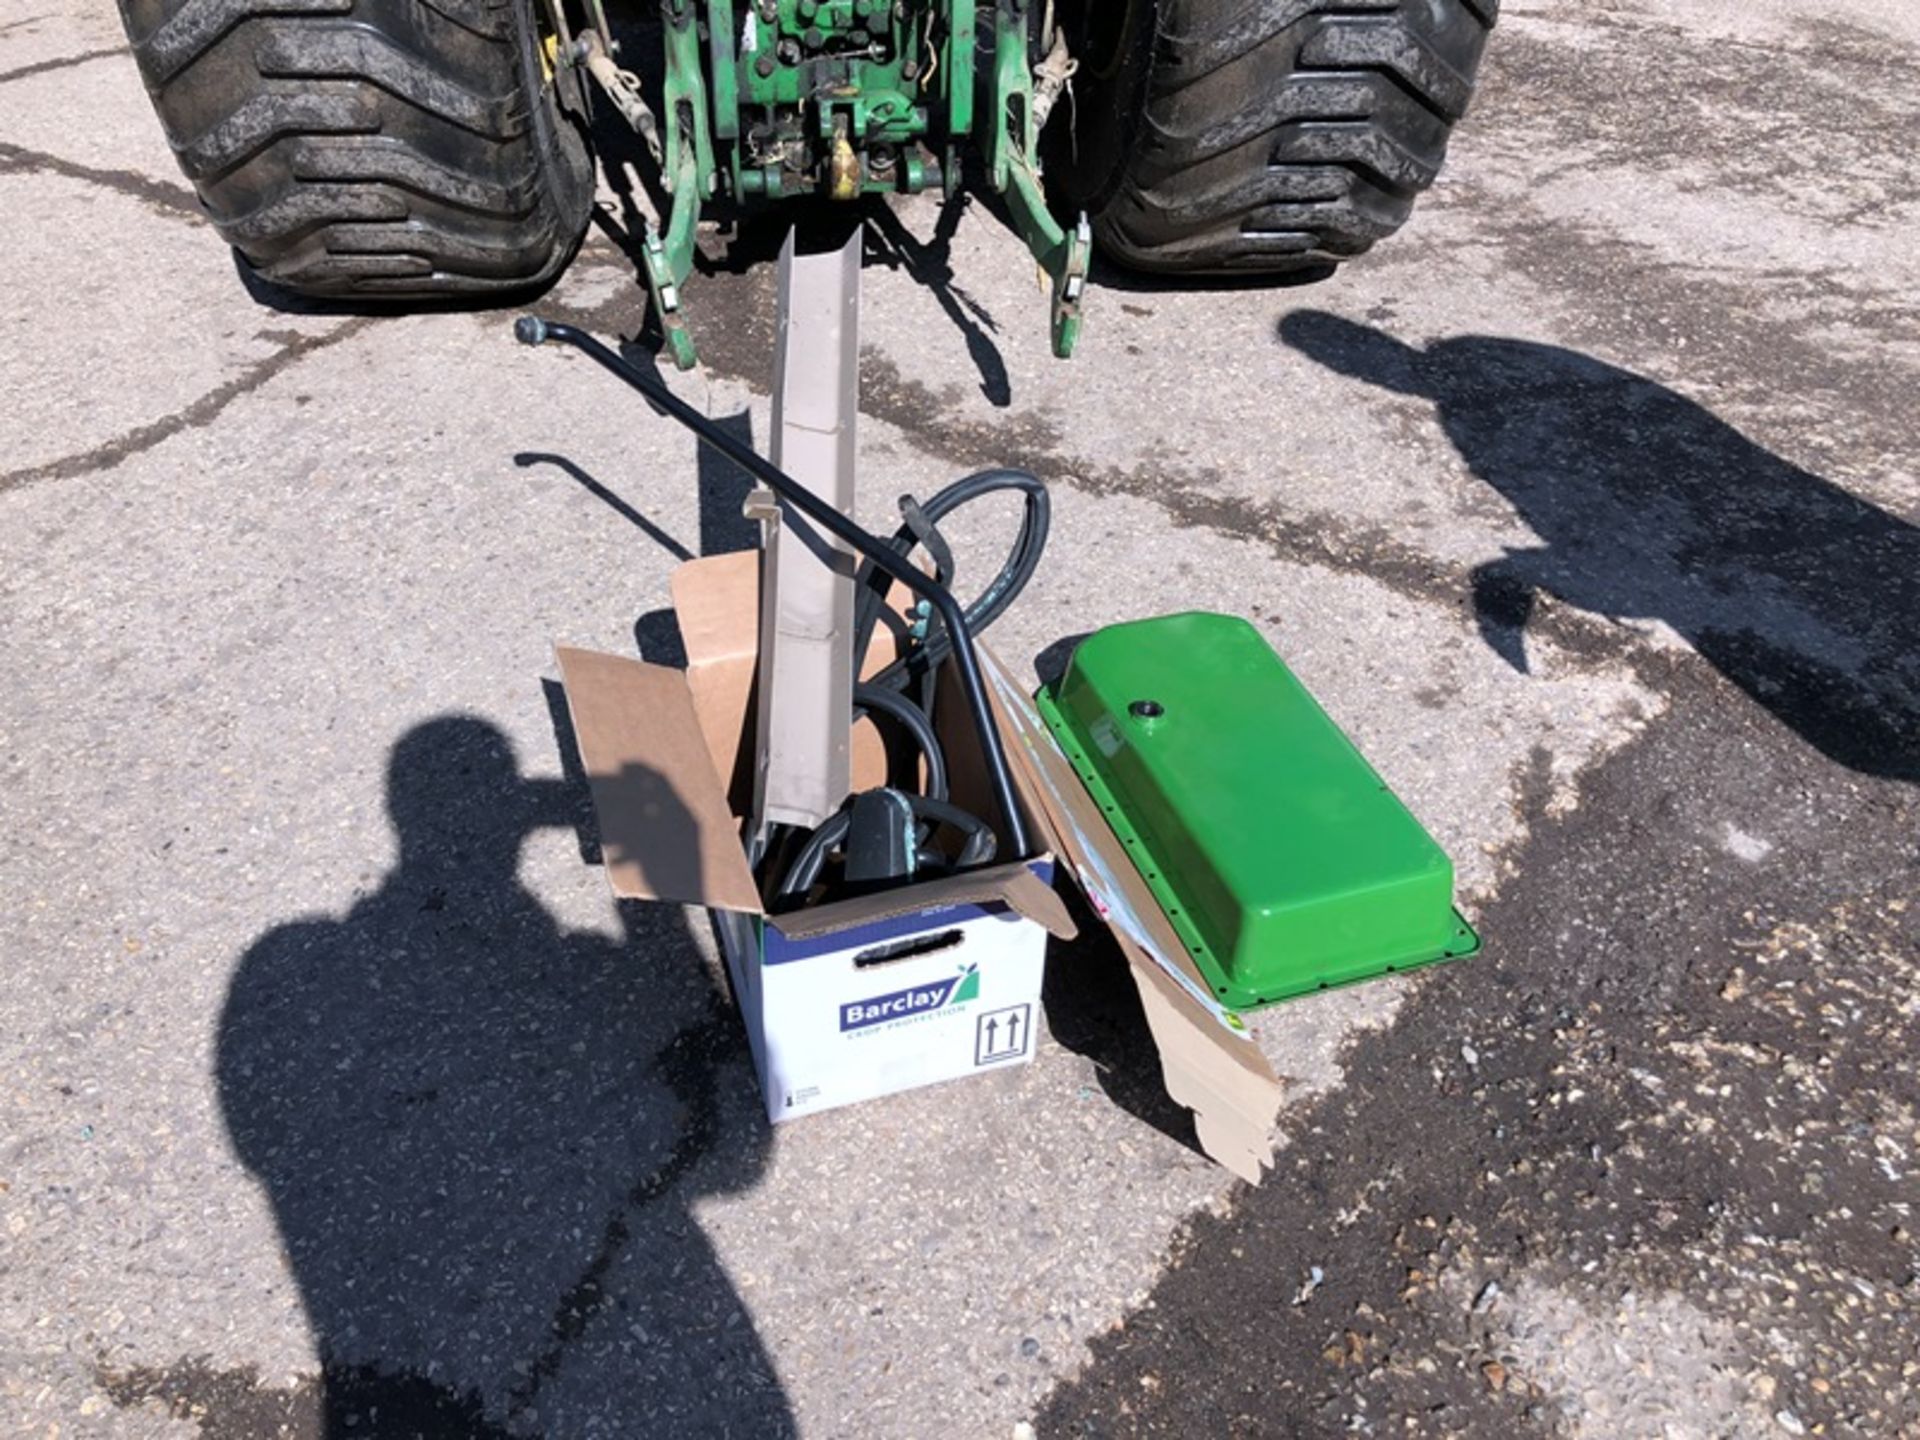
[933,981]
[842,1002]
[872,1007]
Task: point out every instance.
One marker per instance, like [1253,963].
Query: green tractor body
[382,151]
[774,99]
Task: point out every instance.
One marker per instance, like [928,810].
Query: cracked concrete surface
[304,1125]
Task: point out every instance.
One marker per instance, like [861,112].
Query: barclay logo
[920,1000]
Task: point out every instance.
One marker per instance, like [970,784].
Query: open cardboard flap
[1208,1060]
[716,600]
[1013,885]
[665,828]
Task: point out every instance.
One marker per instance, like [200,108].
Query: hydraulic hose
[915,721]
[832,832]
[872,583]
[903,691]
[532,330]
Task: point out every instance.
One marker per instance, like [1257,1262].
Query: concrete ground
[339,1098]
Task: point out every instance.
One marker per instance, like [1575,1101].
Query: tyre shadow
[1650,507]
[483,1134]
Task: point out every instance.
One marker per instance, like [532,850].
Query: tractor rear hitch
[765,99]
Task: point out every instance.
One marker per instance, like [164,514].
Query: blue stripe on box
[777,949]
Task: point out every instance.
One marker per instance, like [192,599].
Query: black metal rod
[532,330]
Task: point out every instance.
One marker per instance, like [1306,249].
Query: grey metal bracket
[802,760]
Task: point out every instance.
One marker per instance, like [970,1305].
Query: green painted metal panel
[1282,858]
[883,81]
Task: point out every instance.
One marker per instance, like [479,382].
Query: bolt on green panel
[1282,858]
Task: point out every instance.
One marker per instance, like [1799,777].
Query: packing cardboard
[845,1001]
[1207,1058]
[869,996]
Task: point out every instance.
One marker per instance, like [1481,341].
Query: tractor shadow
[730,307]
[483,1135]
[730,312]
[1649,507]
[929,262]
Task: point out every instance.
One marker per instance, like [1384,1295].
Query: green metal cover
[1280,856]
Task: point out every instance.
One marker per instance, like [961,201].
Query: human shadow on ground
[483,1134]
[1648,506]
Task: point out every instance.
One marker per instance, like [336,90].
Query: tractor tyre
[371,150]
[1237,136]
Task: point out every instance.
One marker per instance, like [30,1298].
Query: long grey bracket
[802,765]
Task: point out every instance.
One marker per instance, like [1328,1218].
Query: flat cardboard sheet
[1209,1062]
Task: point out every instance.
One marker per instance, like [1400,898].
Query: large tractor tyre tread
[1236,136]
[382,150]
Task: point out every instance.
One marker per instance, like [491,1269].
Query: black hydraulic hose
[812,856]
[832,832]
[532,330]
[915,712]
[914,721]
[991,603]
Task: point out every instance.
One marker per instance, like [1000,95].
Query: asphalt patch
[1680,1067]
